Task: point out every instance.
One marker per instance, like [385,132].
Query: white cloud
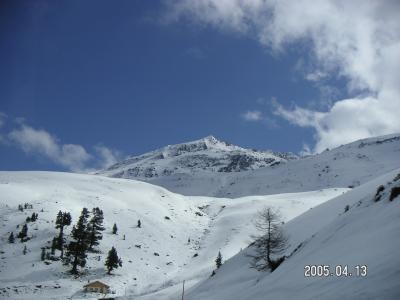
[40,142]
[355,40]
[252,116]
[346,121]
[107,156]
[71,156]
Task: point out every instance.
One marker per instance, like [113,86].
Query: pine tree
[115,229]
[34,217]
[20,207]
[76,250]
[63,219]
[272,241]
[11,238]
[25,250]
[139,224]
[218,260]
[54,244]
[43,254]
[95,227]
[23,233]
[113,261]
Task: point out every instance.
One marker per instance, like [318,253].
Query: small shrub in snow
[378,194]
[346,208]
[11,238]
[218,260]
[34,217]
[115,229]
[275,263]
[23,234]
[28,206]
[167,218]
[397,177]
[43,254]
[54,244]
[394,193]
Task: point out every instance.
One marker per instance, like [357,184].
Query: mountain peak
[210,138]
[205,156]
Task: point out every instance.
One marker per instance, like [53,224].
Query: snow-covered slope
[213,168]
[156,257]
[367,234]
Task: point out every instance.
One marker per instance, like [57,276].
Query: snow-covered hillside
[367,234]
[213,168]
[156,257]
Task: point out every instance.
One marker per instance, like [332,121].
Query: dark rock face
[243,162]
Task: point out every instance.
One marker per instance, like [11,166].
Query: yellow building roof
[96,284]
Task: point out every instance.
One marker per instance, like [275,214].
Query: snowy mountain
[365,234]
[329,202]
[178,240]
[194,168]
[213,168]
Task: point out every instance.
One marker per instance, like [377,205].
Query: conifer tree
[115,229]
[54,244]
[218,260]
[34,217]
[139,224]
[43,254]
[63,219]
[23,233]
[11,238]
[95,227]
[25,250]
[76,250]
[113,261]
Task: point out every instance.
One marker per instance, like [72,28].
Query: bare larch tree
[271,241]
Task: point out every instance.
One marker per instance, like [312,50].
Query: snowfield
[156,257]
[367,234]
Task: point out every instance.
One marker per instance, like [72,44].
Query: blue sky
[127,77]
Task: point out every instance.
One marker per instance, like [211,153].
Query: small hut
[97,287]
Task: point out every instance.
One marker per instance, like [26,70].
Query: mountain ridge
[211,167]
